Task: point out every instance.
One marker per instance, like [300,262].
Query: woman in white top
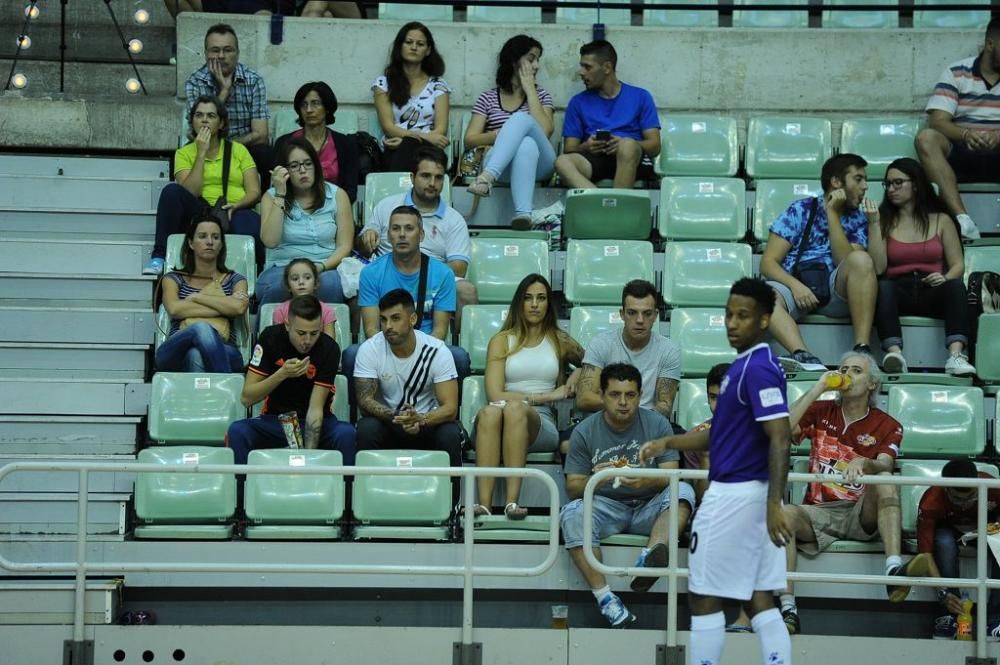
[525,367]
[411,98]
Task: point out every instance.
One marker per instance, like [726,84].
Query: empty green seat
[960,19]
[879,141]
[692,403]
[498,265]
[596,270]
[769,18]
[698,145]
[980,258]
[287,120]
[487,13]
[607,213]
[787,146]
[910,495]
[192,408]
[585,321]
[240,256]
[700,274]
[403,507]
[293,507]
[581,16]
[701,334]
[413,11]
[939,421]
[196,506]
[858,19]
[341,327]
[682,18]
[773,197]
[988,348]
[702,208]
[479,324]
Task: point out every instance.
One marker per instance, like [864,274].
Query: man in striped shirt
[962,140]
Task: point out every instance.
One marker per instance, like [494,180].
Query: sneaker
[738,628]
[967,227]
[918,566]
[656,557]
[154,266]
[790,616]
[615,612]
[862,348]
[521,222]
[800,361]
[958,365]
[945,628]
[894,363]
[992,631]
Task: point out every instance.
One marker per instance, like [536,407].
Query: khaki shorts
[833,521]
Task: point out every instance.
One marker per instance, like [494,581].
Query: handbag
[814,274]
[218,212]
[471,164]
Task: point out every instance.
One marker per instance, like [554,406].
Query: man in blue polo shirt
[740,531]
[611,129]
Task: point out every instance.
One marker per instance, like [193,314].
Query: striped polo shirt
[970,99]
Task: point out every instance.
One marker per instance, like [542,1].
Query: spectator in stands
[446,235]
[198,181]
[841,275]
[411,98]
[257,7]
[293,368]
[240,88]
[638,343]
[919,257]
[525,371]
[945,515]
[849,436]
[302,279]
[611,129]
[407,385]
[607,439]
[518,140]
[316,106]
[332,9]
[961,142]
[203,297]
[175,7]
[302,215]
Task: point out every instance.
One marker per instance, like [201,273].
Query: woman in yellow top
[198,185]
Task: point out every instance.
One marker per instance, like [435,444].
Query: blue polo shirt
[381,276]
[792,223]
[630,112]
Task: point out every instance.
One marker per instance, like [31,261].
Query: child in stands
[302,278]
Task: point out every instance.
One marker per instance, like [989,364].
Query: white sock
[708,634]
[602,593]
[894,561]
[775,643]
[787,602]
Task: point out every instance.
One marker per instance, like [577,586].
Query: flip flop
[512,511]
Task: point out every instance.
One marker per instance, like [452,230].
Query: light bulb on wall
[19,81]
[135,46]
[24,42]
[31,11]
[132,85]
[141,17]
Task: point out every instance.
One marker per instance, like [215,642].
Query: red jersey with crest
[937,510]
[835,443]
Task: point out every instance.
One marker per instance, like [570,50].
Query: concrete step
[78,225]
[68,321]
[40,360]
[99,43]
[98,80]
[84,14]
[50,602]
[74,257]
[68,435]
[67,481]
[134,290]
[81,397]
[84,166]
[93,194]
[55,512]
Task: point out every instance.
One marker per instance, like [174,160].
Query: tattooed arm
[588,390]
[666,391]
[368,402]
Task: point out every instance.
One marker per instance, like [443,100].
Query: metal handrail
[981,582]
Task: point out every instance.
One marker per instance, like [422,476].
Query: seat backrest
[980,258]
[486,13]
[702,208]
[773,197]
[181,498]
[581,16]
[240,256]
[479,324]
[596,270]
[701,334]
[698,145]
[988,348]
[692,403]
[473,399]
[413,11]
[910,495]
[394,500]
[498,265]
[187,408]
[585,321]
[879,141]
[788,146]
[769,18]
[939,421]
[859,19]
[700,274]
[961,19]
[607,213]
[294,499]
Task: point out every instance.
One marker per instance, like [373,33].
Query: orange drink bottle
[838,381]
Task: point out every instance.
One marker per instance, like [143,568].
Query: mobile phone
[603,135]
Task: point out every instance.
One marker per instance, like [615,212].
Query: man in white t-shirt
[446,235]
[406,384]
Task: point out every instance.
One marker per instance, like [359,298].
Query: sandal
[481,187]
[480,510]
[512,511]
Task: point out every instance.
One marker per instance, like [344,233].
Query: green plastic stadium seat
[939,421]
[695,208]
[406,507]
[981,257]
[596,270]
[185,506]
[607,213]
[682,18]
[485,13]
[700,274]
[498,265]
[698,145]
[797,490]
[287,120]
[241,328]
[701,334]
[787,146]
[773,197]
[380,185]
[479,324]
[962,19]
[910,495]
[585,321]
[988,348]
[413,11]
[293,507]
[755,18]
[341,327]
[239,256]
[692,403]
[879,141]
[608,16]
[858,19]
[190,408]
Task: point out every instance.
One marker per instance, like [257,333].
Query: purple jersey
[752,392]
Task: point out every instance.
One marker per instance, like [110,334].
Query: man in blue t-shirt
[740,531]
[611,129]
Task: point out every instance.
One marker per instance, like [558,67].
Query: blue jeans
[198,348]
[265,431]
[946,557]
[177,208]
[612,517]
[271,286]
[523,155]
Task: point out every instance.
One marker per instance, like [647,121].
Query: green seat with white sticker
[702,208]
[498,264]
[701,334]
[194,408]
[402,507]
[939,421]
[607,213]
[700,274]
[585,321]
[694,144]
[788,146]
[596,270]
[284,507]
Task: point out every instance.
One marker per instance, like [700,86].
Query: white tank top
[532,369]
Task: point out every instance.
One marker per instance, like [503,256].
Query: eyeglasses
[301,166]
[896,182]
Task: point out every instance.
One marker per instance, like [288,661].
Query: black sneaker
[790,616]
[862,348]
[801,361]
[918,566]
[656,557]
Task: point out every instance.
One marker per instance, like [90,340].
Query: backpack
[369,155]
[984,292]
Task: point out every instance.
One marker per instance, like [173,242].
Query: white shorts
[731,554]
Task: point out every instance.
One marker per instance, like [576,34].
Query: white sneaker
[968,227]
[958,365]
[894,363]
[615,612]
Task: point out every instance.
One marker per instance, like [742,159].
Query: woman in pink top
[918,256]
